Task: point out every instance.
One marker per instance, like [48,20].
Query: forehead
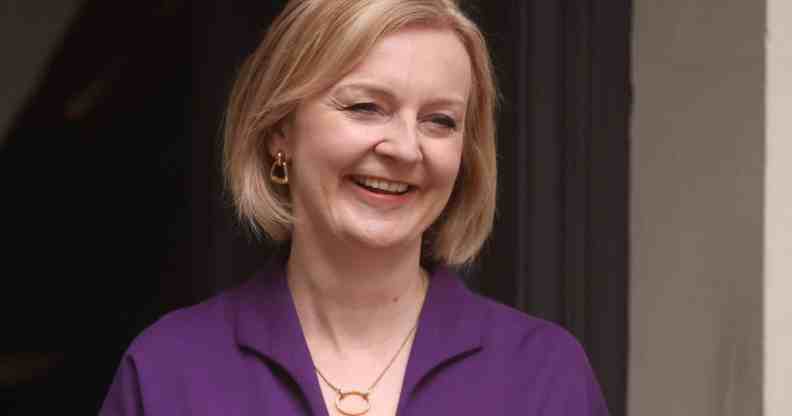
[418,61]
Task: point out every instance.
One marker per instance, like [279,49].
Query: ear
[279,140]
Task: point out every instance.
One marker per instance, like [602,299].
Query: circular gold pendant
[352,393]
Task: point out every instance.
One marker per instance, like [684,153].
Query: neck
[352,301]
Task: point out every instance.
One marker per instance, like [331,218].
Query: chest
[383,400]
[454,388]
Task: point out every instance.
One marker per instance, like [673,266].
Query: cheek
[447,158]
[326,147]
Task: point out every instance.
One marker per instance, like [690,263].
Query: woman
[360,133]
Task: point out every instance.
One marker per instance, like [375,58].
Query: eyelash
[445,121]
[364,108]
[369,108]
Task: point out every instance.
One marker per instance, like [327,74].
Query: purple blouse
[243,353]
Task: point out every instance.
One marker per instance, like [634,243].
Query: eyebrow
[381,91]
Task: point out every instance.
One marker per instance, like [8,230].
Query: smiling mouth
[381,186]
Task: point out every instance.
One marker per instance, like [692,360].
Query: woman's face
[373,160]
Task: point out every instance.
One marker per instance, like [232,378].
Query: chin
[384,239]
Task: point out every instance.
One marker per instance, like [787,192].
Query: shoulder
[509,328]
[543,359]
[187,335]
[531,345]
[503,329]
[204,323]
[162,360]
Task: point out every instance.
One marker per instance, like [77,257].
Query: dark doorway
[123,133]
[560,246]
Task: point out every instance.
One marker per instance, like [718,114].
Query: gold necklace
[343,394]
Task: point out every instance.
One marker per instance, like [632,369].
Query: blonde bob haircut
[311,46]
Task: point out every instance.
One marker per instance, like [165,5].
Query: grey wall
[29,31]
[697,203]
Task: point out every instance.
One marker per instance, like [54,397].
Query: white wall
[778,212]
[697,208]
[711,295]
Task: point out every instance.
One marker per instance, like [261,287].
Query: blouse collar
[450,324]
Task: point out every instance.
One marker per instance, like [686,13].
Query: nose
[401,142]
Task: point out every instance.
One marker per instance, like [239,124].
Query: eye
[364,108]
[444,121]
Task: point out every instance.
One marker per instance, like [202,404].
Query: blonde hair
[311,46]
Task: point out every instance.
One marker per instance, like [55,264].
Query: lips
[382,186]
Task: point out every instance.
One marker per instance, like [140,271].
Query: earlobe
[278,148]
[278,141]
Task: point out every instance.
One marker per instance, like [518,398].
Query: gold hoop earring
[280,169]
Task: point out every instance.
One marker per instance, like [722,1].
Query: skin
[354,266]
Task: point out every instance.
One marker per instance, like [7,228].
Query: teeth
[387,186]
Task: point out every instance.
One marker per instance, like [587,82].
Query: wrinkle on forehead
[419,60]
